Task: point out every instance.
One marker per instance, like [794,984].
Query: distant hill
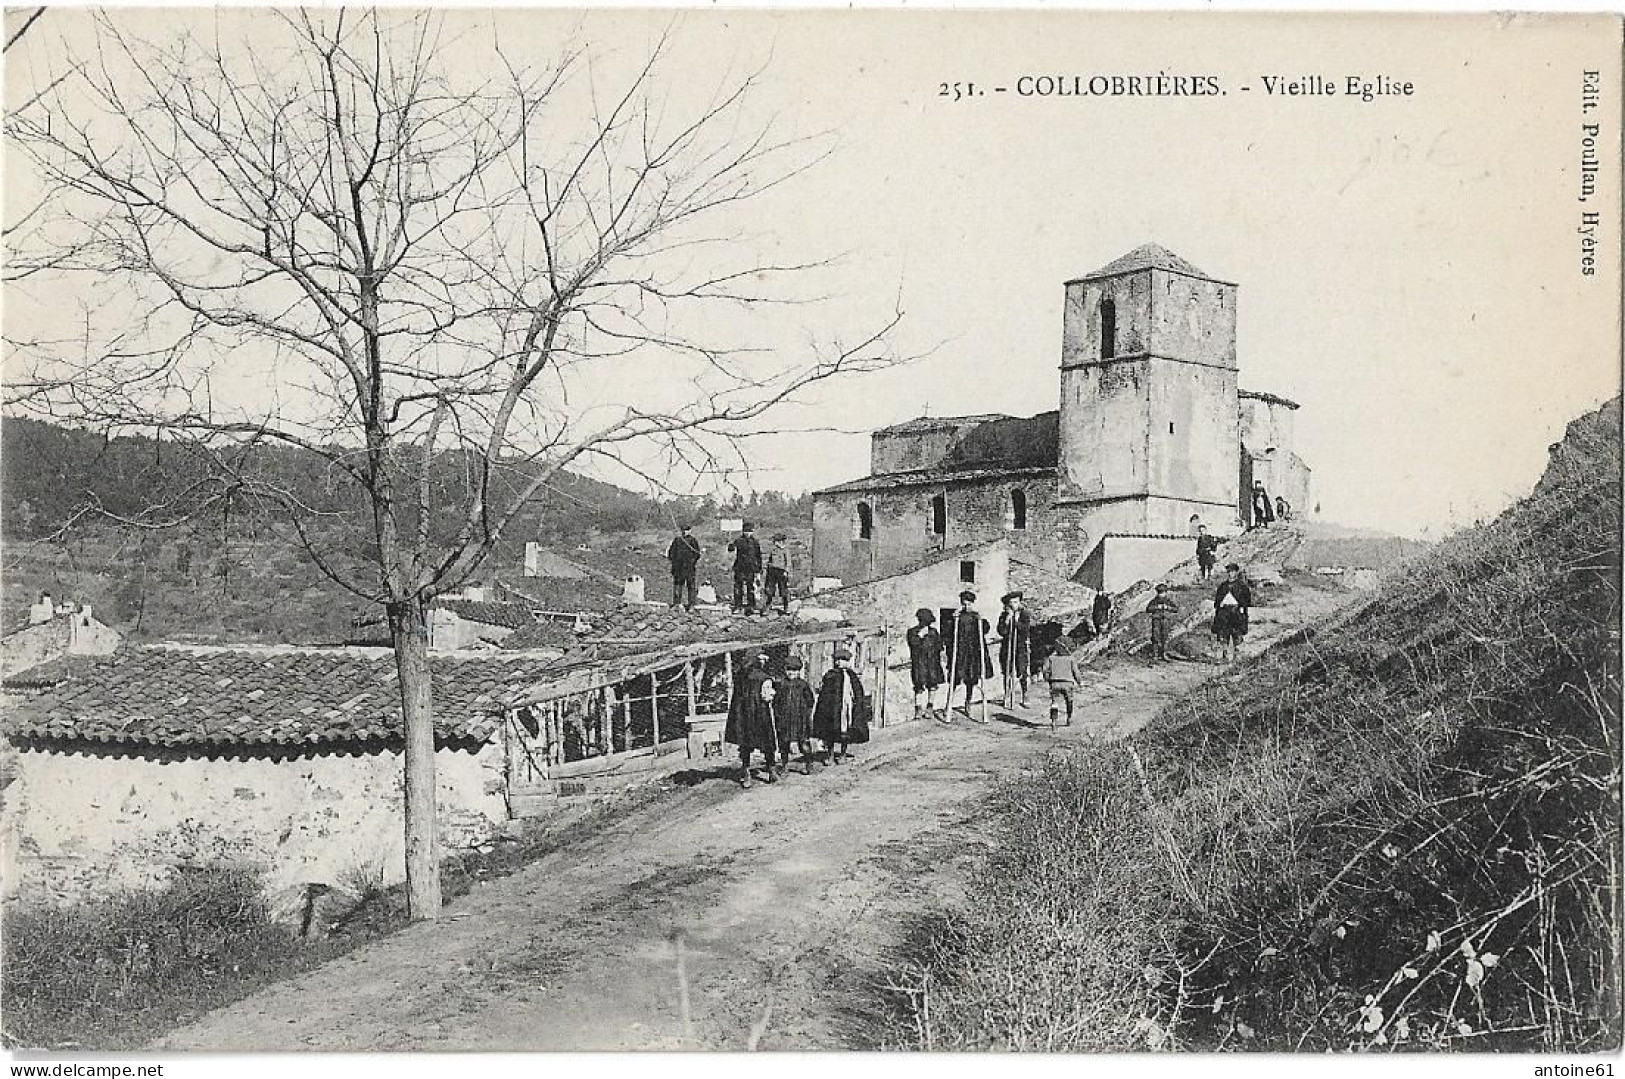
[246,577]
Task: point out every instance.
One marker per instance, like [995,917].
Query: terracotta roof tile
[280,696]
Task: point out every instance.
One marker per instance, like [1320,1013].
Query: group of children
[969,662]
[772,714]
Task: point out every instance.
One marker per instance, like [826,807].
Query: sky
[1409,268]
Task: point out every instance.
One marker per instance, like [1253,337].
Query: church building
[1152,438]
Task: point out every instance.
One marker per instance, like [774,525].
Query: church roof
[931,423]
[1147,257]
[1267,398]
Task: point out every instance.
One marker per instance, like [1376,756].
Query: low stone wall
[83,824]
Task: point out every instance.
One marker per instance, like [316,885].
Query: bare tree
[437,293]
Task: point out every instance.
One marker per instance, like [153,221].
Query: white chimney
[42,610]
[632,589]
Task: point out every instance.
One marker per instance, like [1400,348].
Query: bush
[107,973]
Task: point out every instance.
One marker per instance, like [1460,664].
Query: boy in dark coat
[842,714]
[969,662]
[925,662]
[1015,647]
[1231,601]
[750,717]
[1162,610]
[1101,614]
[793,712]
[1263,508]
[1207,552]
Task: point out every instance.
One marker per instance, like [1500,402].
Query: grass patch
[119,972]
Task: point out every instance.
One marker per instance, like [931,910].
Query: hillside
[244,576]
[1396,829]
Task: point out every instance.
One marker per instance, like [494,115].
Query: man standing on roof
[684,556]
[968,659]
[778,574]
[1015,646]
[747,564]
[750,717]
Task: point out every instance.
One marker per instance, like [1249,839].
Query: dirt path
[787,898]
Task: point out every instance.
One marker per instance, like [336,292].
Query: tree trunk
[409,631]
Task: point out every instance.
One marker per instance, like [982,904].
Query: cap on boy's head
[1008,596]
[686,526]
[1162,588]
[924,615]
[780,536]
[749,527]
[1233,566]
[793,663]
[1201,528]
[843,652]
[968,596]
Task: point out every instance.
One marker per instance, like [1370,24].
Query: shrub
[94,974]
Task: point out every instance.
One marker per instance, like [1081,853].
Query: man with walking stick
[1015,647]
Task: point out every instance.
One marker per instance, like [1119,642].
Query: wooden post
[880,677]
[654,707]
[693,692]
[606,730]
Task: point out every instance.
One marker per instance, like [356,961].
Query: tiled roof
[1268,398]
[834,597]
[645,626]
[1146,257]
[506,615]
[275,696]
[919,476]
[1047,594]
[931,423]
[561,593]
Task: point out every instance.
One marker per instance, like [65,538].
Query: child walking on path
[925,663]
[1162,610]
[1061,672]
[794,708]
[841,716]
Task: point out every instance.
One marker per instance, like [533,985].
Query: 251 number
[957,90]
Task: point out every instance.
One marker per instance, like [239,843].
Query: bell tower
[1148,412]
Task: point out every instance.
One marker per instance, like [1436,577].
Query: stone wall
[1193,319]
[1119,561]
[75,634]
[82,824]
[978,511]
[894,599]
[1191,444]
[920,444]
[1105,425]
